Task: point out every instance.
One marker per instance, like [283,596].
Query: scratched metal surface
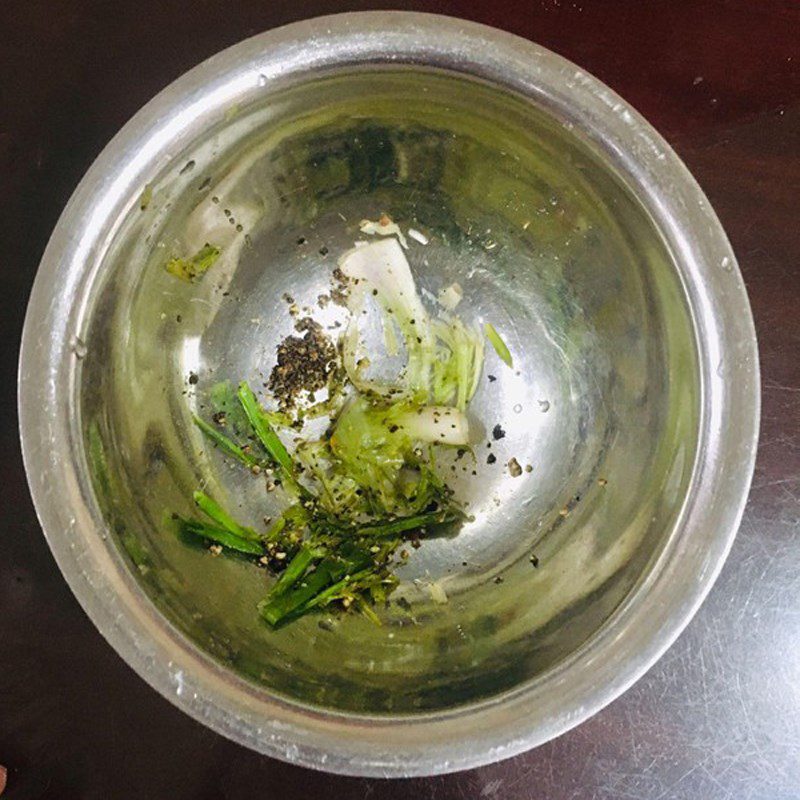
[719,717]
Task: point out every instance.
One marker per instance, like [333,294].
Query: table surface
[719,716]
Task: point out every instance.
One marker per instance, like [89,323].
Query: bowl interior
[549,245]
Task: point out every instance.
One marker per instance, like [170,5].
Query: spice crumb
[303,364]
[491,459]
[498,433]
[514,469]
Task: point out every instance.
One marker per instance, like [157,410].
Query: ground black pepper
[304,363]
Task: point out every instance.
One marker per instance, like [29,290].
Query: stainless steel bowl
[572,226]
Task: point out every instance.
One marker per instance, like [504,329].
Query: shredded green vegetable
[499,345]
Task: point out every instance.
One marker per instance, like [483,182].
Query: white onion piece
[436,424]
[380,269]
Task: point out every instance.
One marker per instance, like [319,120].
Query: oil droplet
[726,264]
[262,80]
[518,408]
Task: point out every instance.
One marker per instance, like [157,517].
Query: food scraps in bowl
[368,489]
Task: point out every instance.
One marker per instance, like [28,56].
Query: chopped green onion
[288,604]
[499,345]
[226,444]
[332,591]
[221,536]
[273,445]
[255,415]
[213,510]
[296,569]
[407,524]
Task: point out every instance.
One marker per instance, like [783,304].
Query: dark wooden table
[719,716]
